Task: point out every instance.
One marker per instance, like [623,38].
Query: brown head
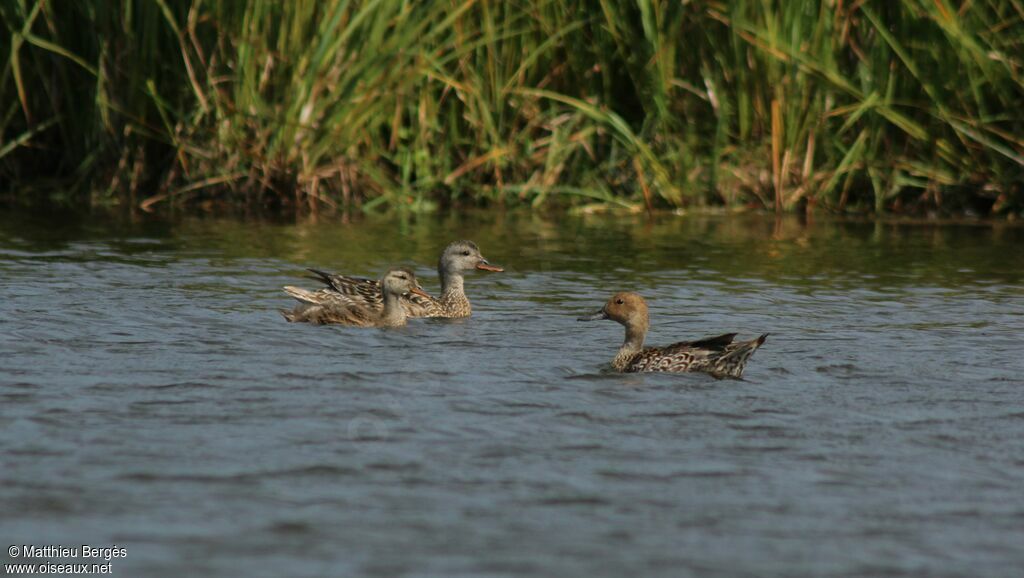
[627,308]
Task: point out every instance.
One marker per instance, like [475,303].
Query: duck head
[401,281]
[626,308]
[461,256]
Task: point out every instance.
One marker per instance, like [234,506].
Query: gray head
[401,281]
[461,256]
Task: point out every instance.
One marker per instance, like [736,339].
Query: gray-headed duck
[457,258]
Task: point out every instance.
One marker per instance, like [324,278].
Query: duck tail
[321,276]
[734,360]
[302,295]
[747,348]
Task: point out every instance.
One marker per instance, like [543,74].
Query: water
[152,397]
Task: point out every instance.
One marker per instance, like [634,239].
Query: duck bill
[483,265]
[595,316]
[420,292]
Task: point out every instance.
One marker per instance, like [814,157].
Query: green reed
[841,104]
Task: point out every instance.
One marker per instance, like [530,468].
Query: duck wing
[351,315]
[366,293]
[717,343]
[357,289]
[719,356]
[324,297]
[333,315]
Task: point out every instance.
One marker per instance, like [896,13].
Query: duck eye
[466,253]
[618,301]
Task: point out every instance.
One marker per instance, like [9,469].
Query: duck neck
[636,330]
[394,313]
[453,293]
[451,282]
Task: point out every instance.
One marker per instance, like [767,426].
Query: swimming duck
[719,356]
[314,307]
[457,258]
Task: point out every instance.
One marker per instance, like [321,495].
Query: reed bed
[847,105]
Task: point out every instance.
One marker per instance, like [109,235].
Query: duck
[719,356]
[397,284]
[458,258]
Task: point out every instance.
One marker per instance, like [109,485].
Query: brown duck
[314,307]
[457,258]
[719,356]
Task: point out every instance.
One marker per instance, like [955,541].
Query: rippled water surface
[152,397]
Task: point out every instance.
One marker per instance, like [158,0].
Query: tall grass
[845,104]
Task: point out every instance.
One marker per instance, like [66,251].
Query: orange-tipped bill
[483,265]
[420,292]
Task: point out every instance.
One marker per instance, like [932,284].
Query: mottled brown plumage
[719,356]
[457,258]
[317,308]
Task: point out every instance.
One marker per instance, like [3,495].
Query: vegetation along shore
[845,105]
